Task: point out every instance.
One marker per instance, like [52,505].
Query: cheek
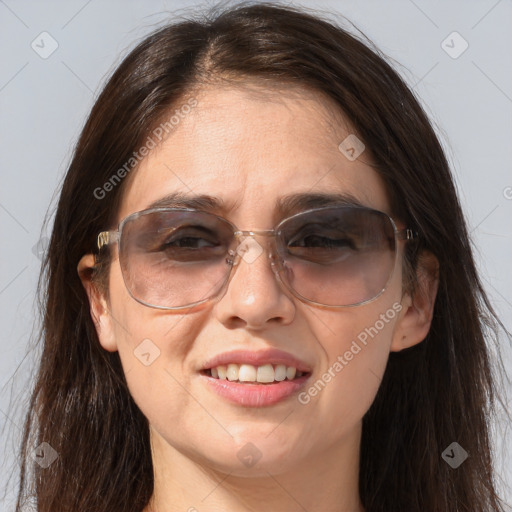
[153,347]
[355,352]
[153,352]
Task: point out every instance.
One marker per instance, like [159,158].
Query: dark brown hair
[431,395]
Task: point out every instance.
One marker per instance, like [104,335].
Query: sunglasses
[335,256]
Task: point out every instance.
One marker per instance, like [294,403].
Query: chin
[255,457]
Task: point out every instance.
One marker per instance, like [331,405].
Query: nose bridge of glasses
[254,232]
[250,252]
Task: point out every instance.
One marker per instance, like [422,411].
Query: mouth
[251,374]
[255,378]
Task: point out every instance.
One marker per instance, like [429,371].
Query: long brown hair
[431,395]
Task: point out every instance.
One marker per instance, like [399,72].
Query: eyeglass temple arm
[107,237]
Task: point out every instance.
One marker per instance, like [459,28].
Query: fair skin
[249,149]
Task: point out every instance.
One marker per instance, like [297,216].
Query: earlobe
[98,304]
[418,310]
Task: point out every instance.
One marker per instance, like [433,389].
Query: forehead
[255,153]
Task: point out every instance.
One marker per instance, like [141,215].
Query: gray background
[44,102]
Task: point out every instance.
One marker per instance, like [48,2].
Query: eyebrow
[293,203]
[285,206]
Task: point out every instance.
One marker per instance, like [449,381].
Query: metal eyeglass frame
[109,237]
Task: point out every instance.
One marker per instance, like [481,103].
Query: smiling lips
[255,379]
[264,374]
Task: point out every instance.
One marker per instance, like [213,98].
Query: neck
[327,482]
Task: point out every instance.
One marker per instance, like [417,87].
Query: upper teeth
[249,373]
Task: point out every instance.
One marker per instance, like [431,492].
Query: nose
[254,297]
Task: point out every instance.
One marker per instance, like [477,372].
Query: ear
[98,304]
[413,325]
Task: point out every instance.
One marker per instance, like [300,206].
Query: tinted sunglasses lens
[174,258]
[338,256]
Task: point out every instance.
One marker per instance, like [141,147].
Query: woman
[260,289]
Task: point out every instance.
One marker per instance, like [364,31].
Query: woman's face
[249,149]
